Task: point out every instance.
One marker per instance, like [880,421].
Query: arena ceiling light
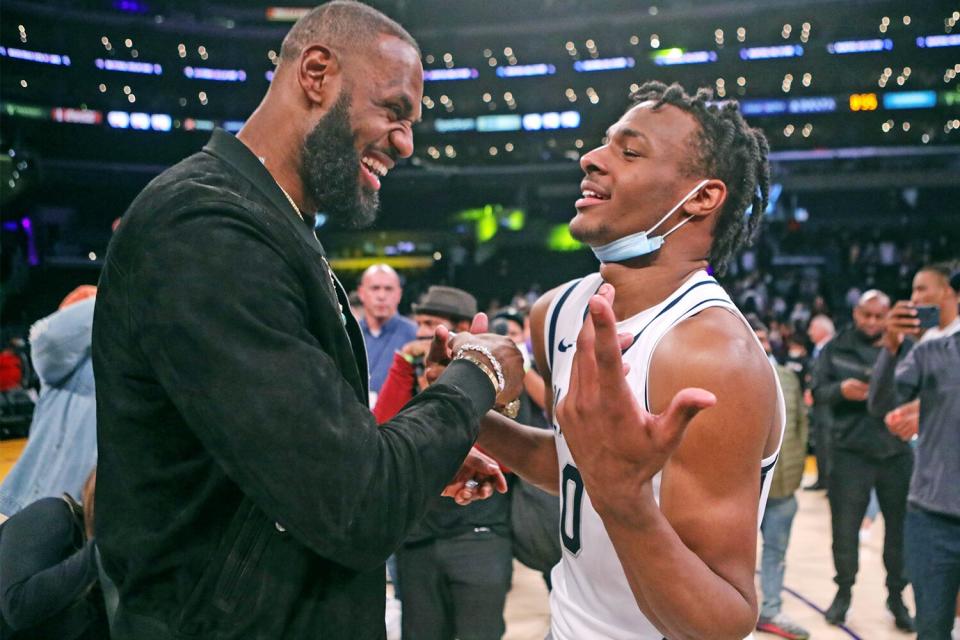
[457,73]
[767,53]
[841,47]
[129,66]
[35,56]
[910,100]
[218,75]
[676,55]
[526,70]
[931,42]
[604,64]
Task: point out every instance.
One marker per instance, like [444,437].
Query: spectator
[820,332]
[384,330]
[865,456]
[455,567]
[62,446]
[48,572]
[781,501]
[931,372]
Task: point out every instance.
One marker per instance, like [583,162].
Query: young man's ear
[709,199]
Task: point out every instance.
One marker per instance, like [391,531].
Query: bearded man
[245,490]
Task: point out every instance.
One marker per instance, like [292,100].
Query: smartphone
[929,316]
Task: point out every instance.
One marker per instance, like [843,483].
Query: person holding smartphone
[928,372]
[930,313]
[865,456]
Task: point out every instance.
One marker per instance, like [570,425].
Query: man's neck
[278,154]
[375,325]
[946,319]
[641,284]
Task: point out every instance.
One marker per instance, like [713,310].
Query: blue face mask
[641,244]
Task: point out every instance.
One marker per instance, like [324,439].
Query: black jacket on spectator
[851,355]
[48,576]
[244,489]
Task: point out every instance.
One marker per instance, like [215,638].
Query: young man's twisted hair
[727,148]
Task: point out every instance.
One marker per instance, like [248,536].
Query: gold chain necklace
[292,203]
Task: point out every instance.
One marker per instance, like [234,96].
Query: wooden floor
[809,579]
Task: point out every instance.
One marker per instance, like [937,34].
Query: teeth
[375,166]
[587,193]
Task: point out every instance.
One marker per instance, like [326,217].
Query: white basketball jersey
[591,597]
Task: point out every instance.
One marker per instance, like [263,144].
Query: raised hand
[618,446]
[901,321]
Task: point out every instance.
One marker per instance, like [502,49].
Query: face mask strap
[682,202]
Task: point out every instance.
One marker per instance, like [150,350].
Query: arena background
[860,101]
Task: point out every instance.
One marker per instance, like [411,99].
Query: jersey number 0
[572,496]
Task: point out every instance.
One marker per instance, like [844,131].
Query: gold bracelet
[483,367]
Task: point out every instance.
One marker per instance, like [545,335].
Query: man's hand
[503,349]
[901,321]
[618,447]
[416,348]
[854,390]
[904,421]
[484,475]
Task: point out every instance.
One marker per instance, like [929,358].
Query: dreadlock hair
[727,148]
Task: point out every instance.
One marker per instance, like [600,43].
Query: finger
[607,291]
[626,369]
[606,342]
[439,352]
[625,340]
[584,368]
[484,491]
[683,408]
[479,324]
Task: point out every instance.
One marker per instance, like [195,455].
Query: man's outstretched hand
[485,474]
[617,445]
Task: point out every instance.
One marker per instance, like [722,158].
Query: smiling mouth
[590,198]
[372,170]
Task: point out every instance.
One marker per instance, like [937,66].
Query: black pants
[456,587]
[851,479]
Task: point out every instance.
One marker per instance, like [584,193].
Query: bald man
[385,331]
[865,456]
[244,489]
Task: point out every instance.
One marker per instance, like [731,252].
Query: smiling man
[659,521]
[244,489]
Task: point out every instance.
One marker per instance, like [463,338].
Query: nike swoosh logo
[563,347]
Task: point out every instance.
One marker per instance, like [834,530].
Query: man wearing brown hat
[455,567]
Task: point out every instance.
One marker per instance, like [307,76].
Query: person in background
[820,332]
[865,456]
[454,567]
[929,371]
[48,572]
[62,446]
[781,501]
[385,331]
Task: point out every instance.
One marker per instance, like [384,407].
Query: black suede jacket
[244,489]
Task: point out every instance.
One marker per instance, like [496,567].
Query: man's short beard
[330,170]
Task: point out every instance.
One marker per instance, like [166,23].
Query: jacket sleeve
[894,381]
[826,382]
[61,342]
[222,319]
[397,389]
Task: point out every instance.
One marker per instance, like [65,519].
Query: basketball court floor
[808,584]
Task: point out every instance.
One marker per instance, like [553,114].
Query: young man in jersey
[661,485]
